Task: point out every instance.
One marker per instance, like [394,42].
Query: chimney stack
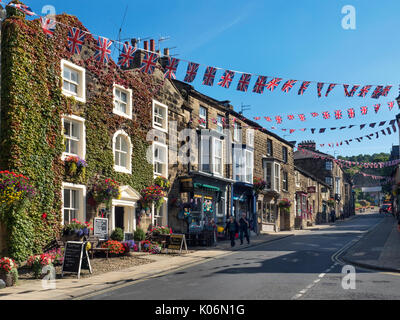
[166,52]
[152,45]
[145,45]
[134,42]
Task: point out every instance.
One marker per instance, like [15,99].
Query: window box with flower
[76,230]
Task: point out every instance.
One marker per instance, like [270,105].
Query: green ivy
[31,136]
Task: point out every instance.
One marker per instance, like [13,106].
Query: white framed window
[160,217]
[160,159]
[272,175]
[122,150]
[250,138]
[203,117]
[337,180]
[238,163]
[269,148]
[237,133]
[284,154]
[73,80]
[74,133]
[122,101]
[297,178]
[160,116]
[204,153]
[285,181]
[217,156]
[73,202]
[329,165]
[249,166]
[220,126]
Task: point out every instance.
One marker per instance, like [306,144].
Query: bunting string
[76,39]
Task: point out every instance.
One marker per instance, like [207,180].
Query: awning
[206,186]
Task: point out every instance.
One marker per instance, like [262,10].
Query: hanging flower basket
[259,185]
[162,182]
[75,167]
[331,202]
[103,191]
[285,205]
[152,195]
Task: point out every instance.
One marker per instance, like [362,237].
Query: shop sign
[186,185]
[176,242]
[101,228]
[311,189]
[76,258]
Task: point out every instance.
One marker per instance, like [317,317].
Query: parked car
[386,208]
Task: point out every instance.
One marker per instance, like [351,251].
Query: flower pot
[7,278]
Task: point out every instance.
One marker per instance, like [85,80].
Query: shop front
[302,212]
[244,200]
[268,211]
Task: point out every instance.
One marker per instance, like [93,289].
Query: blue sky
[292,40]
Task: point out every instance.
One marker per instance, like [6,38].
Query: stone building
[325,168]
[273,161]
[311,199]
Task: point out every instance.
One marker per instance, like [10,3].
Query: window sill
[66,155]
[121,114]
[70,95]
[122,170]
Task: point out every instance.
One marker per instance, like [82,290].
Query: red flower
[44,215]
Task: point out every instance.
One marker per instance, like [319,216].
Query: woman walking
[232,228]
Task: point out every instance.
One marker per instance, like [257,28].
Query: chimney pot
[166,52]
[145,45]
[152,45]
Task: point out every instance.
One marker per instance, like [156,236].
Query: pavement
[379,249]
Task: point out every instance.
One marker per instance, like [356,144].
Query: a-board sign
[176,242]
[101,228]
[75,258]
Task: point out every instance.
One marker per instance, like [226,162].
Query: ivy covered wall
[31,139]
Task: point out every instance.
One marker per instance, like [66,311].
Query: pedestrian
[232,228]
[333,215]
[244,226]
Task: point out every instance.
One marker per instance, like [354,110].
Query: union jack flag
[48,26]
[322,145]
[292,130]
[326,115]
[23,8]
[386,90]
[244,82]
[226,79]
[103,52]
[303,129]
[149,63]
[273,84]
[303,87]
[353,90]
[338,114]
[191,72]
[364,110]
[209,76]
[346,92]
[127,55]
[330,88]
[75,40]
[288,85]
[364,90]
[351,113]
[391,105]
[260,84]
[320,85]
[314,114]
[377,107]
[302,117]
[278,119]
[170,68]
[377,92]
[290,117]
[268,119]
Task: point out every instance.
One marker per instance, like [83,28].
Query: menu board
[176,242]
[73,254]
[101,228]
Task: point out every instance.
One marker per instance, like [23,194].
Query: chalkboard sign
[73,255]
[101,228]
[176,242]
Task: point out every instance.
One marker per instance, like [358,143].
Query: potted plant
[331,202]
[8,271]
[38,262]
[116,247]
[76,230]
[139,235]
[117,235]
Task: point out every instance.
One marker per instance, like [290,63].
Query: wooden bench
[95,242]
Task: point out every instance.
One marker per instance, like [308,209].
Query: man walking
[244,226]
[232,228]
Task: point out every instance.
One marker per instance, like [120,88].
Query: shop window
[122,101]
[73,81]
[122,148]
[74,136]
[160,116]
[73,200]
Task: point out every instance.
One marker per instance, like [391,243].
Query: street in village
[305,266]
